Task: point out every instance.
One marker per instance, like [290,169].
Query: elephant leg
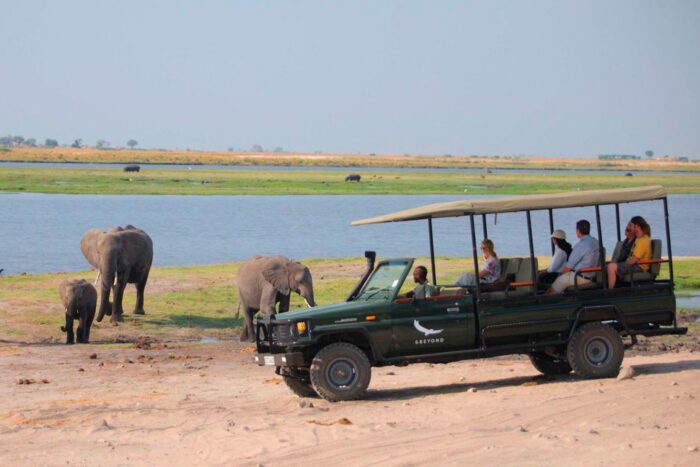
[86,326]
[117,310]
[70,338]
[80,336]
[140,287]
[247,333]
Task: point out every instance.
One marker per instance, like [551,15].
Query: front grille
[281,333]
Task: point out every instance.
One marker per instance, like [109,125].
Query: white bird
[426,331]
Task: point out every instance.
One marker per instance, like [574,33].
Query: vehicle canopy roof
[569,199]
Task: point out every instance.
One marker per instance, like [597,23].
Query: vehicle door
[432,325]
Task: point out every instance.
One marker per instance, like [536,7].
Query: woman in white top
[562,250]
[491,271]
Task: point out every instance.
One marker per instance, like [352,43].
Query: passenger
[423,288]
[641,251]
[627,244]
[562,250]
[491,271]
[585,254]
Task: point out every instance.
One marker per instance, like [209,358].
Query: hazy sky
[464,77]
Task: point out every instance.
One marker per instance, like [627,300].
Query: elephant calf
[265,281]
[79,298]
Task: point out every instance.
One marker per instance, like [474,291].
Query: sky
[549,78]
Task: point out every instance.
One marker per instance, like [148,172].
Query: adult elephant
[122,255]
[265,281]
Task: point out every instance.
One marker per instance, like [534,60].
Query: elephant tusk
[98,278]
[306,302]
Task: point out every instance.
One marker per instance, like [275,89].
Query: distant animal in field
[79,300]
[353,178]
[122,255]
[132,168]
[265,281]
[629,174]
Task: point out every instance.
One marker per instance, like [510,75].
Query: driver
[423,288]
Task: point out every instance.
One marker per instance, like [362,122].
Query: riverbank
[152,181]
[316,159]
[196,302]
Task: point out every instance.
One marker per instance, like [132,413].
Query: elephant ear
[278,276]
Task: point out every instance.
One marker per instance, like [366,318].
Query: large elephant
[265,281]
[79,300]
[122,255]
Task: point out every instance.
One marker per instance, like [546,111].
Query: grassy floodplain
[159,156]
[81,180]
[196,301]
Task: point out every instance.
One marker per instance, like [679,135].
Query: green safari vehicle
[329,350]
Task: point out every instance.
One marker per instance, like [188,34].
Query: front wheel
[340,372]
[595,351]
[548,365]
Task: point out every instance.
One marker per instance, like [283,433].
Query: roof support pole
[601,251]
[551,226]
[483,222]
[476,260]
[432,249]
[533,266]
[617,221]
[668,240]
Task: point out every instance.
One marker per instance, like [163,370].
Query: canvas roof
[569,199]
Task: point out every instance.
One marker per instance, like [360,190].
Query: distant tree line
[18,141]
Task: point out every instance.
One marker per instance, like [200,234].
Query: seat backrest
[616,252]
[655,254]
[524,274]
[509,267]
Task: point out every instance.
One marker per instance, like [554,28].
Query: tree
[31,142]
[279,149]
[78,143]
[17,140]
[649,153]
[6,140]
[256,148]
[132,143]
[50,143]
[101,144]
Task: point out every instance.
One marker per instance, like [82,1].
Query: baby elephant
[79,299]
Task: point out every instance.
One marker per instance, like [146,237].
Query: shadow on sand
[421,391]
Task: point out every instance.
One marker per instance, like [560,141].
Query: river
[41,232]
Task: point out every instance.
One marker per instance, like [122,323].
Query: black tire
[595,351]
[340,372]
[300,384]
[548,365]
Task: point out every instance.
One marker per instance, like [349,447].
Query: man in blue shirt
[586,254]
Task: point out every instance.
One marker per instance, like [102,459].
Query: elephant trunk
[106,288]
[308,296]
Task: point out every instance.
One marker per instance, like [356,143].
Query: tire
[548,365]
[300,384]
[595,351]
[340,372]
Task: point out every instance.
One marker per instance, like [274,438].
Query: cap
[560,234]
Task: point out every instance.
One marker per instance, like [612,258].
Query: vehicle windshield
[385,281]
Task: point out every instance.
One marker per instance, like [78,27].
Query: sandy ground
[209,404]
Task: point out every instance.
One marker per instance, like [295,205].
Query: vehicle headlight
[301,327]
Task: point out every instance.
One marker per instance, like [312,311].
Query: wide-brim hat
[560,234]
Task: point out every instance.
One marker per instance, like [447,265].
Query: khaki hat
[560,234]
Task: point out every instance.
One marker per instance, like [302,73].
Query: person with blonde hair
[489,273]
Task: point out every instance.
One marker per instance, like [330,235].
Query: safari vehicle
[329,350]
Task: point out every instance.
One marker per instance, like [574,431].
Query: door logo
[427,332]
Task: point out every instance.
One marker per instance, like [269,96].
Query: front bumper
[280,359]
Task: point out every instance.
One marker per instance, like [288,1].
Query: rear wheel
[595,351]
[548,365]
[300,383]
[340,372]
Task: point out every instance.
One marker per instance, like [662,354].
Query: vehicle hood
[322,313]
